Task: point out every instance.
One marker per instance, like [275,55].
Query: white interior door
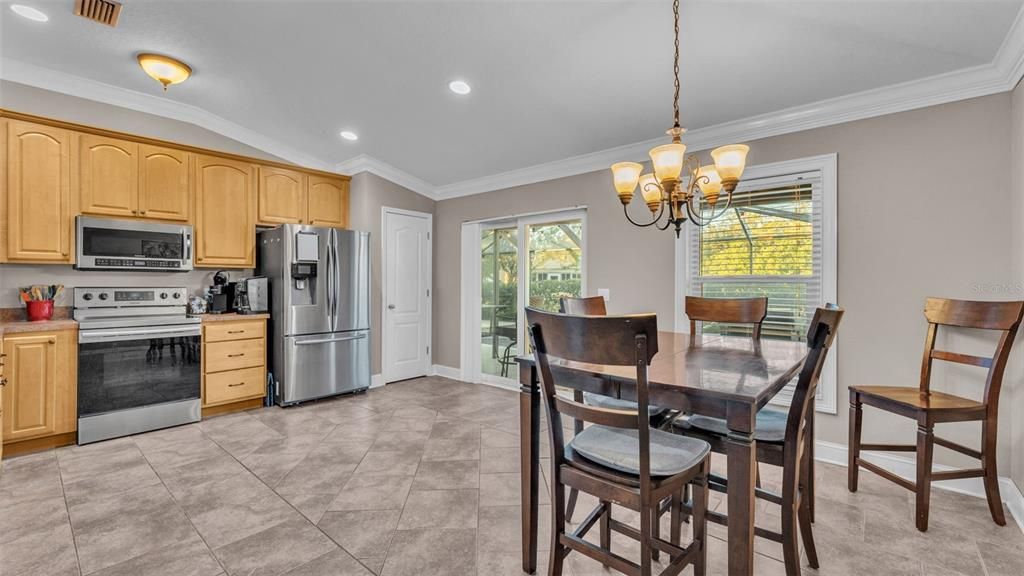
[406,305]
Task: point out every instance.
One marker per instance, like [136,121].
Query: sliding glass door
[525,261]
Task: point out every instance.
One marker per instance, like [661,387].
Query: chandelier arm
[661,211]
[702,221]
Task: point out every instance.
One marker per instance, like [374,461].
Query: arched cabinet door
[38,193]
[163,183]
[108,176]
[282,196]
[328,202]
[225,228]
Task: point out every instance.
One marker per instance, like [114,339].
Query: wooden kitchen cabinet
[234,364]
[38,207]
[163,183]
[3,384]
[108,176]
[224,199]
[40,397]
[328,201]
[282,196]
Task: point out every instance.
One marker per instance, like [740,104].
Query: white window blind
[768,243]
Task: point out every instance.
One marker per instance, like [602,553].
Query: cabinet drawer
[235,385]
[221,356]
[219,332]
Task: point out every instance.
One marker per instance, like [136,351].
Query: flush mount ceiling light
[459,87]
[349,135]
[164,69]
[29,12]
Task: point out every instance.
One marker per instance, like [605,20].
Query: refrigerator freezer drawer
[321,365]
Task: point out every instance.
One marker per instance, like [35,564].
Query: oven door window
[106,242]
[121,375]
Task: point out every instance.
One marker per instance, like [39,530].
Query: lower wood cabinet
[3,384]
[40,398]
[234,361]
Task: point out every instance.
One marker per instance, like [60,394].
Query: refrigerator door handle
[330,282]
[330,340]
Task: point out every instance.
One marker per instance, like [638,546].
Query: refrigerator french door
[320,310]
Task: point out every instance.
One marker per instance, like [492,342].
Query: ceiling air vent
[102,11]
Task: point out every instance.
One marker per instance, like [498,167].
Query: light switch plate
[605,293]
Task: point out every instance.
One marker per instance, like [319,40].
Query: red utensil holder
[39,310]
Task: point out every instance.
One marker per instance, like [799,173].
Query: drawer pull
[236,384]
[236,355]
[236,331]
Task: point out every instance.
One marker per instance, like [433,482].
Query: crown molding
[55,81]
[366,163]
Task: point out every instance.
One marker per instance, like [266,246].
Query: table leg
[529,454]
[741,451]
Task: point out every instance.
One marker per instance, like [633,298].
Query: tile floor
[417,478]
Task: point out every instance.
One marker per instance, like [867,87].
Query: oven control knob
[87,296]
[163,295]
[103,295]
[177,295]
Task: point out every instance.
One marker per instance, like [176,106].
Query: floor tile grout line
[67,510]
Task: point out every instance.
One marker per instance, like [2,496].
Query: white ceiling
[551,80]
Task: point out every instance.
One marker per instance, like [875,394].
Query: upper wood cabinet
[282,196]
[38,170]
[225,200]
[40,397]
[108,179]
[163,183]
[328,201]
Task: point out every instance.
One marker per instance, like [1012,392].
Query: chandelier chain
[675,66]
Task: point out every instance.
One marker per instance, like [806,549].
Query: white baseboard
[456,374]
[446,372]
[376,381]
[906,468]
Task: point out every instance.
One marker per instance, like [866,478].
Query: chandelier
[663,190]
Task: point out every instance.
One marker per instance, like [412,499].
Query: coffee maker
[221,294]
[252,295]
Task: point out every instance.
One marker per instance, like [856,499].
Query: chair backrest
[608,340]
[822,333]
[589,306]
[733,310]
[1004,317]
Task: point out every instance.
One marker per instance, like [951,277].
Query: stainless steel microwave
[109,244]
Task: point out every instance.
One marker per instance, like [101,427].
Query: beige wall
[1015,371]
[906,231]
[31,100]
[370,193]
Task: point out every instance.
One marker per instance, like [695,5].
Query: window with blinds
[768,243]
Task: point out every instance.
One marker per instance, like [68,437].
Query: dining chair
[930,407]
[727,310]
[595,306]
[618,458]
[783,442]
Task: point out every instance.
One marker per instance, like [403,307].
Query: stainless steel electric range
[138,361]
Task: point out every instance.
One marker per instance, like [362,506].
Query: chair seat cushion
[619,449]
[771,425]
[602,401]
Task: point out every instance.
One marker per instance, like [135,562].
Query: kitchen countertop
[12,320]
[232,317]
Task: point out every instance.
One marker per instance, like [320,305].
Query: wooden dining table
[726,377]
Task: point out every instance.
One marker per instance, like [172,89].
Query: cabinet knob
[142,211]
[135,211]
[52,340]
[3,381]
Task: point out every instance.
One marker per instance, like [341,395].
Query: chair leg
[757,474]
[577,427]
[646,533]
[925,445]
[675,519]
[808,493]
[557,528]
[606,527]
[700,526]
[853,454]
[807,533]
[790,542]
[988,463]
[655,530]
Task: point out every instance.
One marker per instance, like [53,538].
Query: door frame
[382,296]
[470,325]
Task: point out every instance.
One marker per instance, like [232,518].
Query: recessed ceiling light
[29,12]
[459,87]
[349,135]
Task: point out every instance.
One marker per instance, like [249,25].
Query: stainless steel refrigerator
[319,310]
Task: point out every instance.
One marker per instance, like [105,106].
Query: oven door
[105,244]
[122,369]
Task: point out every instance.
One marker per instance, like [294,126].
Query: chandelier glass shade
[678,187]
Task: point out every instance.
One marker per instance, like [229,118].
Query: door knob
[391,306]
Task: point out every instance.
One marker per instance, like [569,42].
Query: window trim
[827,165]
